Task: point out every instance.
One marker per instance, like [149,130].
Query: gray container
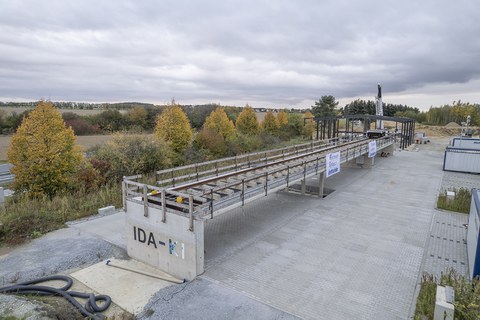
[466,143]
[461,160]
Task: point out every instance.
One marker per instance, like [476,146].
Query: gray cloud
[270,53]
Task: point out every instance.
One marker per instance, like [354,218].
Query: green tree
[109,120]
[247,122]
[218,122]
[269,123]
[174,128]
[43,153]
[138,116]
[324,107]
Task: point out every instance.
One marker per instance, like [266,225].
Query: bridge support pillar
[169,246]
[369,162]
[321,182]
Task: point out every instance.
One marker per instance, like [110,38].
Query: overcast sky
[274,53]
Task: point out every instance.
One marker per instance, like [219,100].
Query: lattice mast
[379,105]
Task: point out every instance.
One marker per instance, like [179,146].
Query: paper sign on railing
[332,164]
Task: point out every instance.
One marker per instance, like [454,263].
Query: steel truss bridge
[201,190]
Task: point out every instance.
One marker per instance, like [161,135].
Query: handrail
[203,202]
[215,167]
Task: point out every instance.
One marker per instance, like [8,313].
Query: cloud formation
[266,53]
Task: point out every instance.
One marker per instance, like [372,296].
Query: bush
[128,155]
[24,217]
[461,202]
[467,296]
[211,141]
[80,126]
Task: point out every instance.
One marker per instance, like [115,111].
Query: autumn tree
[282,119]
[247,121]
[43,153]
[218,122]
[173,127]
[269,123]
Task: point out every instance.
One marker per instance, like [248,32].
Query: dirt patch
[438,131]
[453,125]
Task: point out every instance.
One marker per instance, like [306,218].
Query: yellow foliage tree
[218,122]
[173,127]
[309,126]
[247,121]
[269,123]
[43,153]
[282,119]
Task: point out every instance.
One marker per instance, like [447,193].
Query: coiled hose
[90,309]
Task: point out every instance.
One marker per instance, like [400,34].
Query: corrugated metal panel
[473,235]
[466,143]
[462,160]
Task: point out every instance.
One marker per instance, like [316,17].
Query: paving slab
[110,228]
[356,254]
[447,246]
[129,290]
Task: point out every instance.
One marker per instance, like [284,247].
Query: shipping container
[473,235]
[461,160]
[466,143]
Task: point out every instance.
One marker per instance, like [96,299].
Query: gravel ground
[55,253]
[204,299]
[21,308]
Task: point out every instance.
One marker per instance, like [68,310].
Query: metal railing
[239,185]
[5,175]
[178,175]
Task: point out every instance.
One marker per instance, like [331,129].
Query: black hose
[90,309]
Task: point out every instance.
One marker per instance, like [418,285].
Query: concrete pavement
[357,254]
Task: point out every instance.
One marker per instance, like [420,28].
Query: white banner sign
[333,163]
[372,148]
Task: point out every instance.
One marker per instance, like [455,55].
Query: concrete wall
[168,246]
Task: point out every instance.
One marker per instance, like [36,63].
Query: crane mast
[379,106]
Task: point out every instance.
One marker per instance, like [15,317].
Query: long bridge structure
[165,220]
